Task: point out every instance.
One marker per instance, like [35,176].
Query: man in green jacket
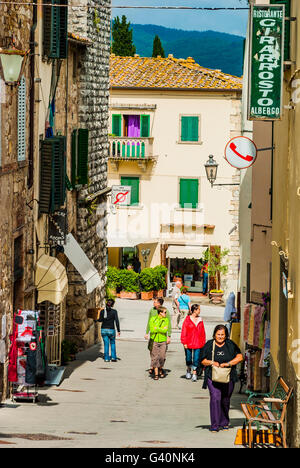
[157,303]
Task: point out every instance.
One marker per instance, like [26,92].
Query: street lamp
[12,62]
[145,253]
[211,168]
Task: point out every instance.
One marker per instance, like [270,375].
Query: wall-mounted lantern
[12,62]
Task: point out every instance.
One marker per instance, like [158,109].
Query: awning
[185,251]
[51,280]
[82,263]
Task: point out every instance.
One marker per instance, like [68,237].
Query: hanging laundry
[247,313]
[251,327]
[267,346]
[262,331]
[13,356]
[259,313]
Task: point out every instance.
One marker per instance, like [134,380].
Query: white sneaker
[188,375]
[194,378]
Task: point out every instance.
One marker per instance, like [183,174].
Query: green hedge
[150,279]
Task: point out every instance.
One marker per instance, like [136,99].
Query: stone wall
[93,115]
[16,218]
[234,255]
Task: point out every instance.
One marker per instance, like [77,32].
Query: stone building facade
[81,102]
[93,24]
[16,191]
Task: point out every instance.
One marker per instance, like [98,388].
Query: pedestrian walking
[184,303]
[110,322]
[176,292]
[159,340]
[157,303]
[220,357]
[193,338]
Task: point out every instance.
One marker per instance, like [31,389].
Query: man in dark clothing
[110,321]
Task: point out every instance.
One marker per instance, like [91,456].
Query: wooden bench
[268,412]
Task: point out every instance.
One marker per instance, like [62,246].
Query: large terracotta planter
[146,295]
[128,295]
[159,293]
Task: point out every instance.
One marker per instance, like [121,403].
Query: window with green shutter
[287,34]
[189,193]
[55,28]
[52,174]
[145,126]
[116,125]
[79,154]
[190,128]
[134,183]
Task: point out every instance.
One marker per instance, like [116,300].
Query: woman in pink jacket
[193,339]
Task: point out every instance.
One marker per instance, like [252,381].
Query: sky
[232,22]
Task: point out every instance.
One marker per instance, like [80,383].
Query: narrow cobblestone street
[117,405]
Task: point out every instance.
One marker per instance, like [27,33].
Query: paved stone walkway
[117,405]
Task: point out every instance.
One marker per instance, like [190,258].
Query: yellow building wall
[285,324]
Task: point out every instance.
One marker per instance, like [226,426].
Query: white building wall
[159,185]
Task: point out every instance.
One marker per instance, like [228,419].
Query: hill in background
[209,48]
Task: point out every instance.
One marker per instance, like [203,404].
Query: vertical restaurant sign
[266,62]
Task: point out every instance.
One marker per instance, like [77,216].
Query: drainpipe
[32,95]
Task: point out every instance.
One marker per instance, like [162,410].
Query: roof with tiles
[168,73]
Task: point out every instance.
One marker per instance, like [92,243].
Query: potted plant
[177,277]
[216,268]
[129,284]
[147,282]
[112,280]
[160,273]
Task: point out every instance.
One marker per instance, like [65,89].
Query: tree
[158,48]
[122,44]
[216,263]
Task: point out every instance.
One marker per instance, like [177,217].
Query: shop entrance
[188,271]
[129,256]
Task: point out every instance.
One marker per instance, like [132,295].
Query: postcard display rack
[27,363]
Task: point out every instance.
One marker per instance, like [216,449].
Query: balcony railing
[124,148]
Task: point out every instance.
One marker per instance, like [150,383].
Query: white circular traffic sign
[241,152]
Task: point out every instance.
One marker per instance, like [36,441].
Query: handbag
[220,374]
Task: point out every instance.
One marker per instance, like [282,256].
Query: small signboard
[241,152]
[266,62]
[58,227]
[121,195]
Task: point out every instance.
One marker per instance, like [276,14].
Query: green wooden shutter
[55,29]
[63,29]
[45,176]
[117,125]
[74,158]
[189,192]
[58,194]
[145,126]
[194,128]
[189,128]
[287,37]
[83,153]
[184,129]
[52,174]
[134,183]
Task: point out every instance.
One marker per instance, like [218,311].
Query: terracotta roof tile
[145,72]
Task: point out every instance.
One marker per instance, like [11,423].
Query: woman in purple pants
[227,354]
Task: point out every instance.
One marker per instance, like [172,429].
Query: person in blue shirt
[184,304]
